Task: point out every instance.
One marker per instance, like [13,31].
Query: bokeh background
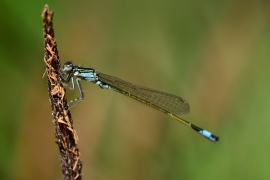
[214,54]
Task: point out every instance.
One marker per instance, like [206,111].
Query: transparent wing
[168,102]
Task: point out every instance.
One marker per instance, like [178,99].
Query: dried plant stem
[66,137]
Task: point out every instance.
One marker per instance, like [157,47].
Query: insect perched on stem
[167,103]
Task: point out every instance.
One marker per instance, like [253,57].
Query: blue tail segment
[205,133]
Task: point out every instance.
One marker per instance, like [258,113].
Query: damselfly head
[67,67]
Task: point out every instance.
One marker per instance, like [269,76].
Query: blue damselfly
[167,103]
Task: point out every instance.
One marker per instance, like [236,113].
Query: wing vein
[168,102]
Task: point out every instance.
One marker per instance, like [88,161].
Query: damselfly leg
[78,100]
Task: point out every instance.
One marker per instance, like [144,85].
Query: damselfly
[167,103]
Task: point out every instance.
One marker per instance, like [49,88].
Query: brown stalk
[66,137]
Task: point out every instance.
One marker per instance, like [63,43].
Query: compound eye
[67,66]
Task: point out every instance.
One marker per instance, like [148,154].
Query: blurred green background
[214,54]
